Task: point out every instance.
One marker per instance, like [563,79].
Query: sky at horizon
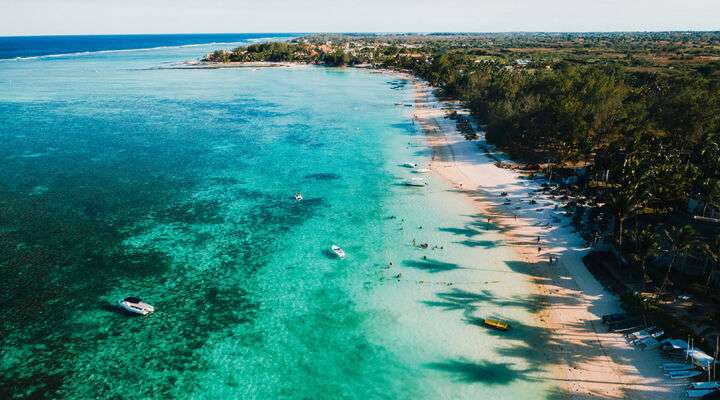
[64,17]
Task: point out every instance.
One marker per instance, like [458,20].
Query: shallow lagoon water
[121,177]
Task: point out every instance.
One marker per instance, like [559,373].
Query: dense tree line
[666,124]
[281,52]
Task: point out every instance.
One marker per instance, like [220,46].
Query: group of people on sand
[551,258]
[426,245]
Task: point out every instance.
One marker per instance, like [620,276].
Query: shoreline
[586,362]
[198,64]
[583,360]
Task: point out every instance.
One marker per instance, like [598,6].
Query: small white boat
[419,182]
[136,306]
[684,374]
[339,251]
[298,196]
[423,170]
[409,165]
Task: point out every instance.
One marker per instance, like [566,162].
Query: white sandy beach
[588,362]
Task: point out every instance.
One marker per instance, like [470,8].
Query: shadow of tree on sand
[431,265]
[467,232]
[485,372]
[486,244]
[457,299]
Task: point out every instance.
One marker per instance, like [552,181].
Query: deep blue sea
[123,173]
[34,46]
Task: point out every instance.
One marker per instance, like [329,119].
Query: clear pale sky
[35,17]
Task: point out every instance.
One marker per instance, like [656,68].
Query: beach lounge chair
[625,326]
[700,393]
[643,333]
[657,336]
[676,345]
[687,374]
[647,344]
[705,385]
[620,322]
[712,396]
[677,367]
[647,333]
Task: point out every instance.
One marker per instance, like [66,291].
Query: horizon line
[381,33]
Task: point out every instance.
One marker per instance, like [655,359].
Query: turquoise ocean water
[123,176]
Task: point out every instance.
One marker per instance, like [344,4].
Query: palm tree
[634,190]
[624,204]
[646,246]
[709,192]
[681,240]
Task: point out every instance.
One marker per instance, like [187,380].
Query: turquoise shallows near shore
[120,177]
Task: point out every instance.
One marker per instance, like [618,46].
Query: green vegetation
[282,52]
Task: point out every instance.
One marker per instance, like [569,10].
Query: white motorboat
[409,165]
[418,182]
[339,251]
[423,170]
[684,374]
[135,305]
[298,196]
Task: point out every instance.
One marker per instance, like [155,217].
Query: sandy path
[588,363]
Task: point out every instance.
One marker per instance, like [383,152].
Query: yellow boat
[496,324]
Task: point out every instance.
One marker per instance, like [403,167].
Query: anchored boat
[135,305]
[418,182]
[339,251]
